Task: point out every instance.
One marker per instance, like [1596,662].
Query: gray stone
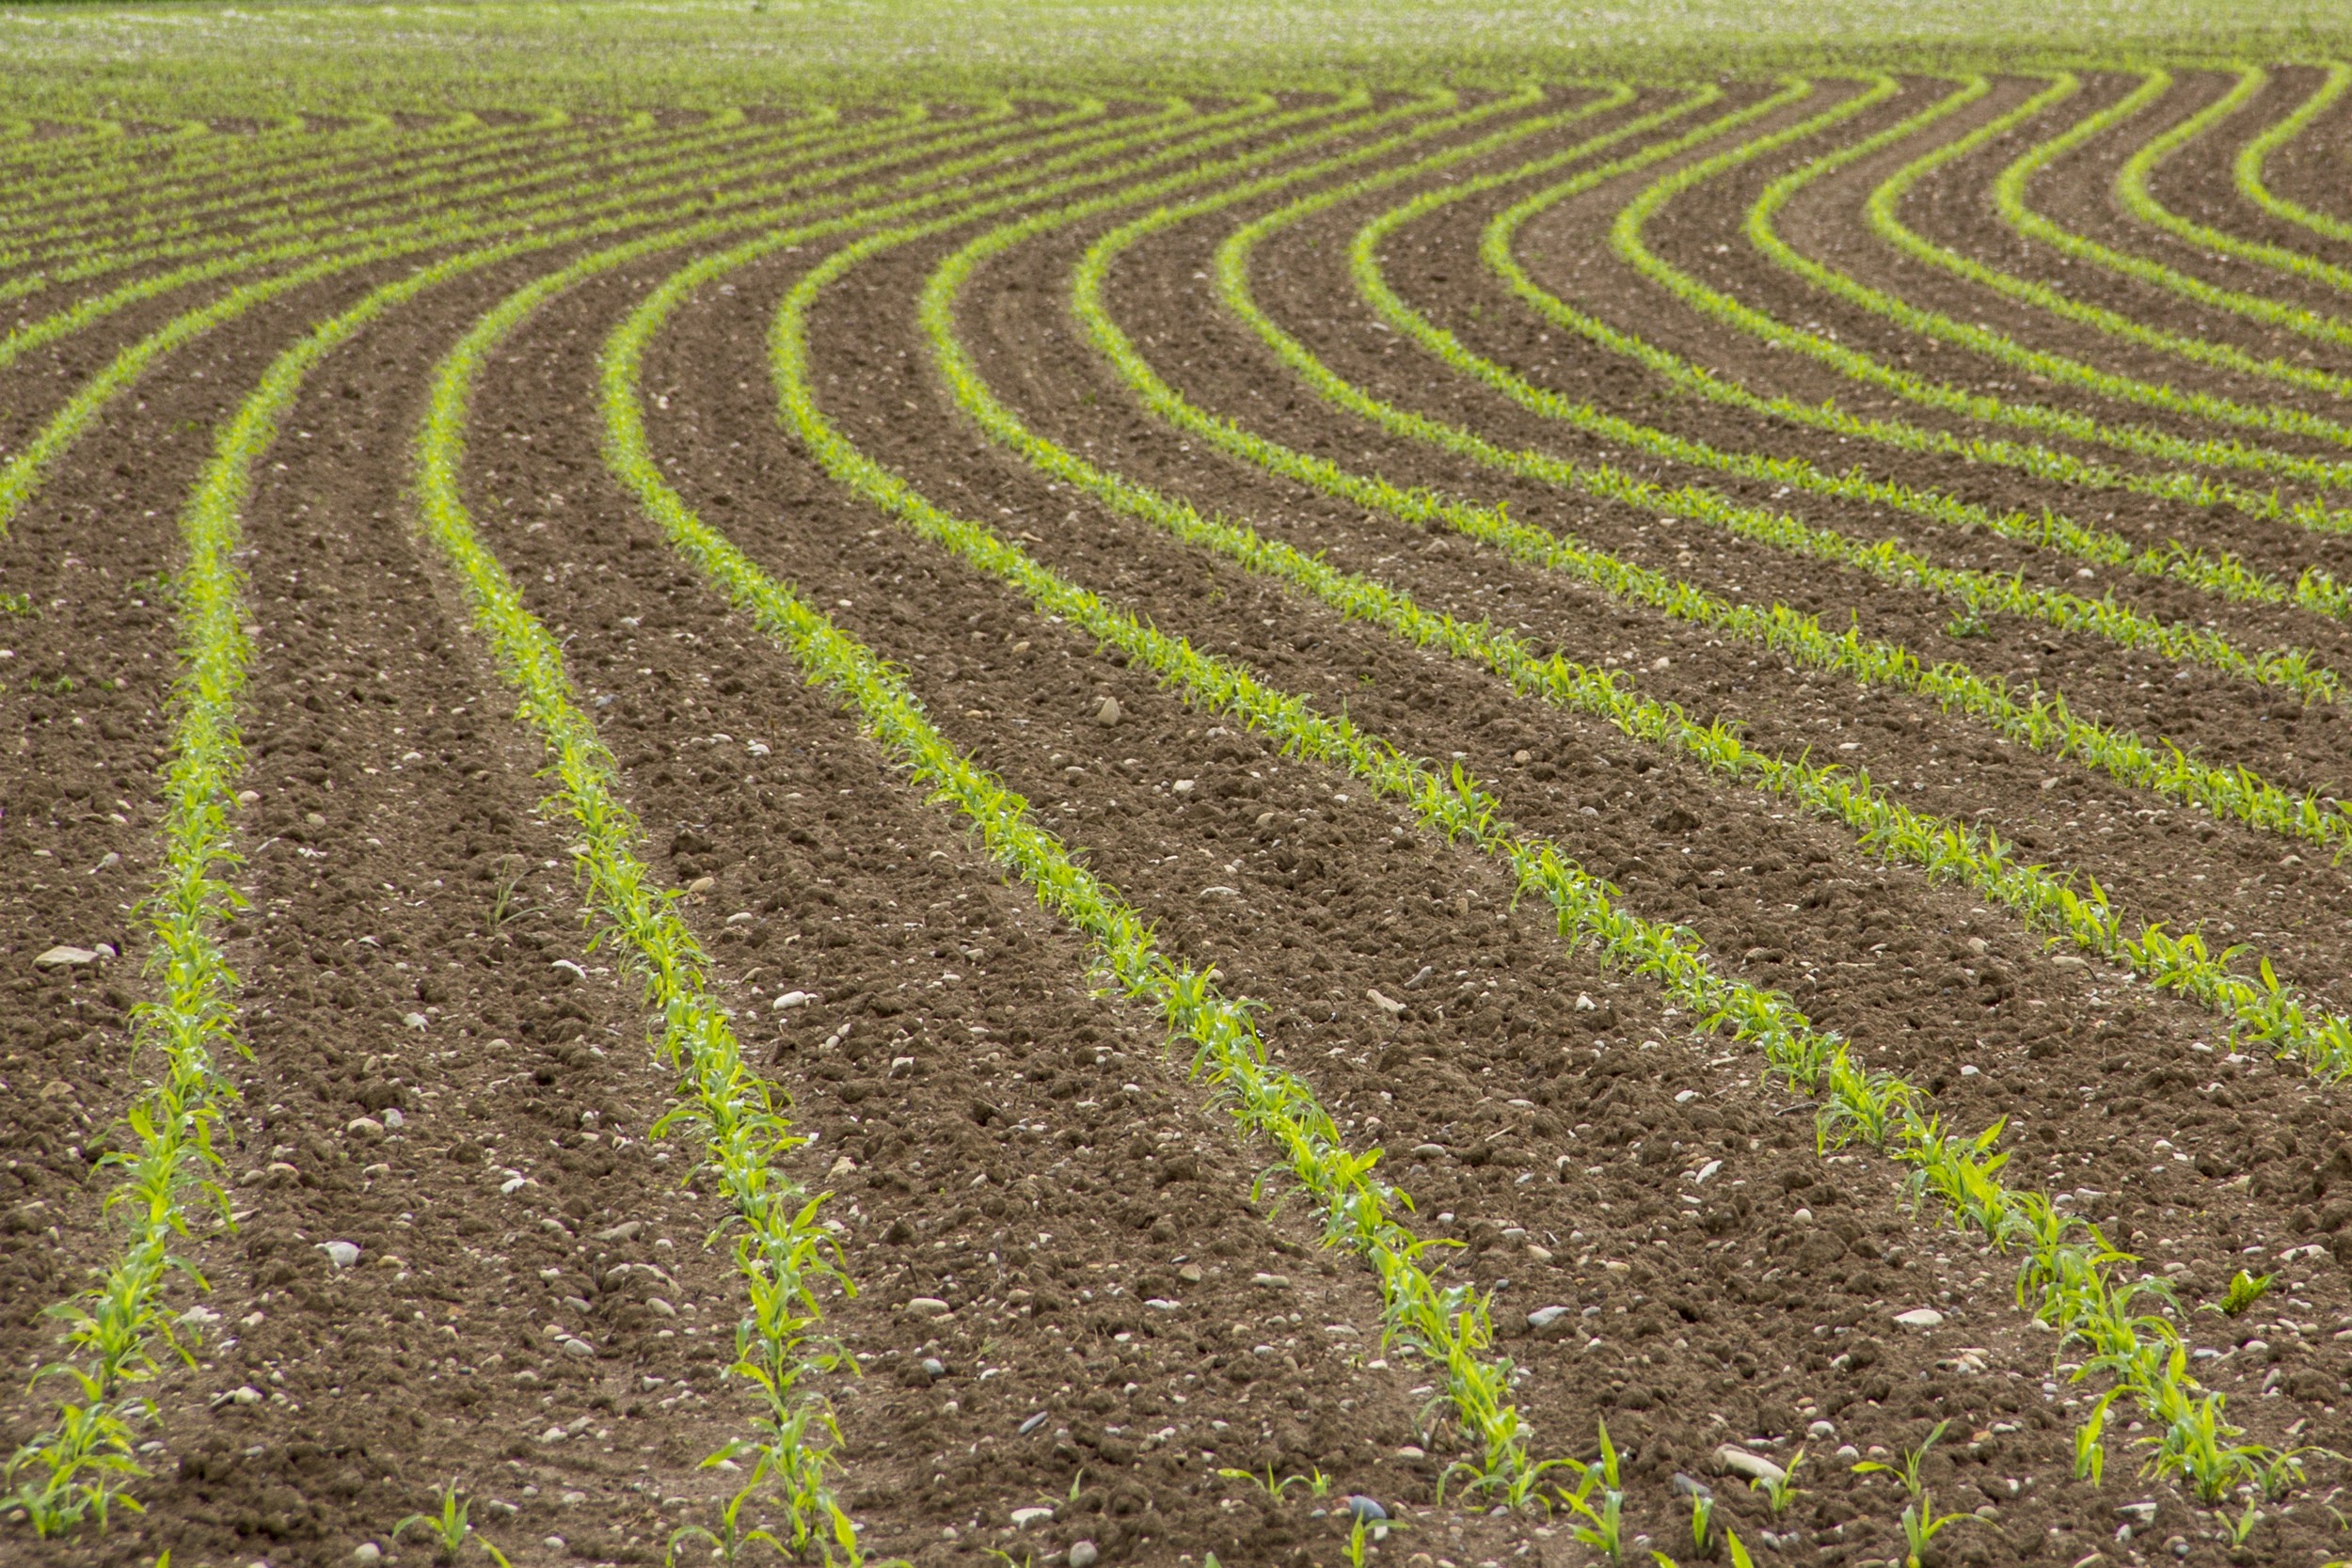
[1365,1509]
[1921,1317]
[1550,1322]
[1085,1554]
[66,958]
[341,1254]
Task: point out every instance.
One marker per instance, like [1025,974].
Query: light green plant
[733,1538]
[449,1525]
[2244,1291]
[1599,1499]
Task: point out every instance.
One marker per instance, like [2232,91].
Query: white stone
[341,1254]
[1755,1467]
[417,1021]
[581,1348]
[1921,1317]
[1024,1517]
[65,957]
[927,1307]
[792,999]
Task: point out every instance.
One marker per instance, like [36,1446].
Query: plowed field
[1445,819]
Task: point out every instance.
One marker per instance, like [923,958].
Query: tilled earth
[451,1245]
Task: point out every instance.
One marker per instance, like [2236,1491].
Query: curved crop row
[680,179]
[2074,1286]
[783,1250]
[85,1461]
[2132,191]
[2218,573]
[24,470]
[400,206]
[1881,212]
[2044,722]
[2260,1009]
[2008,201]
[2314,590]
[2246,171]
[1626,237]
[1452,1325]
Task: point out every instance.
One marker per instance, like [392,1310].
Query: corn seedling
[732,1539]
[450,1526]
[2244,1291]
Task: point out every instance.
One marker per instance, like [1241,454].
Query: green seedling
[1913,1481]
[1702,1522]
[1922,1525]
[1604,1520]
[732,1539]
[1782,1490]
[1315,1482]
[2244,1291]
[450,1528]
[1967,621]
[1732,1543]
[16,604]
[1361,1532]
[509,902]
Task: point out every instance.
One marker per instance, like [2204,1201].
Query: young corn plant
[450,1526]
[1598,1501]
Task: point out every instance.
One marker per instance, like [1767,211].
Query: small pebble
[1365,1509]
[367,1552]
[1032,1423]
[417,1021]
[927,1307]
[1085,1554]
[66,958]
[1108,714]
[934,1367]
[341,1254]
[1921,1317]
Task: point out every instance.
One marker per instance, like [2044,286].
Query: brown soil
[446,1075]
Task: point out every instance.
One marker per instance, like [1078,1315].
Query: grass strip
[2258,1008]
[2068,1275]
